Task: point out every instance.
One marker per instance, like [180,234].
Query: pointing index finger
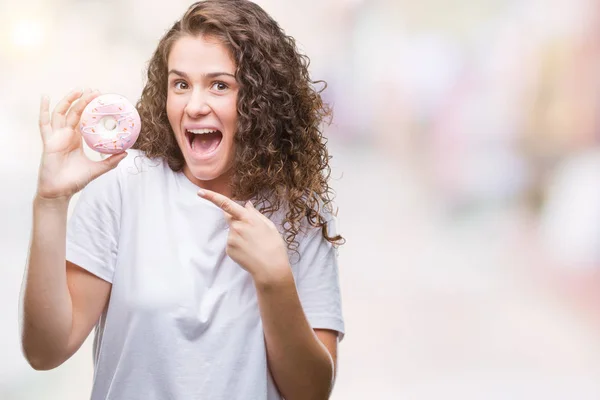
[223,202]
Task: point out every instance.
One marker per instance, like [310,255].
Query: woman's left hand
[253,242]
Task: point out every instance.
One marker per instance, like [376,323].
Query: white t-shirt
[183,320]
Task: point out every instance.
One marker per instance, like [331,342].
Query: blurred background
[466,145]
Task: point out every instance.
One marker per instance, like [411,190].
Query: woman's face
[202,108]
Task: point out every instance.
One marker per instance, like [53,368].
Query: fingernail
[201,193]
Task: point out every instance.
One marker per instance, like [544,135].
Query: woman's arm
[46,307]
[301,360]
[302,366]
[61,302]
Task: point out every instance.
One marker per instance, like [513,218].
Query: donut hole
[109,123]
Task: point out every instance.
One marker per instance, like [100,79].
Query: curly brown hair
[281,157]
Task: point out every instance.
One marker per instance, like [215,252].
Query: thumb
[102,167]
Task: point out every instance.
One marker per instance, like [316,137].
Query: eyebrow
[207,75]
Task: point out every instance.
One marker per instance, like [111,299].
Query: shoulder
[328,213]
[310,240]
[137,162]
[137,169]
[131,172]
[306,230]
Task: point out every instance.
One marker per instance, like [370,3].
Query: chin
[204,174]
[213,171]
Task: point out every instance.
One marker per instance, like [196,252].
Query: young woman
[206,260]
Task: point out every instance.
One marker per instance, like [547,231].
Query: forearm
[300,364]
[47,308]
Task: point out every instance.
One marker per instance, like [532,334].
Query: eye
[180,85]
[220,86]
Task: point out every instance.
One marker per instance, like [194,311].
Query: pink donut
[110,124]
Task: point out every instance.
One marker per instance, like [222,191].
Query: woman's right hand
[64,168]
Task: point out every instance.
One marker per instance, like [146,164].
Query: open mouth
[203,141]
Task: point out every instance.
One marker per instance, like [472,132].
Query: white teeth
[201,131]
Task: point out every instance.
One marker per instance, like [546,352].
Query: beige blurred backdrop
[466,145]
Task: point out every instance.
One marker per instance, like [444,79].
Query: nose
[198,104]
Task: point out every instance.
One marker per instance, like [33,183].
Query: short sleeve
[317,281]
[93,227]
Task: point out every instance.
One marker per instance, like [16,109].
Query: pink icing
[126,120]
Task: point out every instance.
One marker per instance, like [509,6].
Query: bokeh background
[466,145]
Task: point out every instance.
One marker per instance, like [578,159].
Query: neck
[219,185]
